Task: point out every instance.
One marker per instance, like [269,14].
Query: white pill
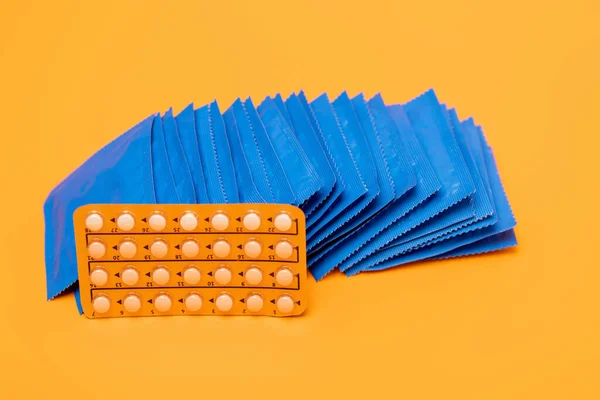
[190,248]
[254,276]
[161,276]
[163,302]
[252,248]
[94,222]
[101,304]
[128,249]
[159,248]
[125,222]
[157,222]
[193,302]
[220,221]
[285,304]
[188,221]
[132,303]
[254,303]
[224,302]
[284,249]
[99,276]
[284,277]
[223,275]
[192,275]
[221,248]
[251,221]
[130,276]
[283,222]
[96,249]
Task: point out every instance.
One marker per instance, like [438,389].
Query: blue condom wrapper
[182,176]
[248,140]
[360,210]
[293,110]
[121,172]
[435,137]
[283,110]
[164,183]
[301,174]
[494,237]
[336,141]
[186,128]
[248,193]
[278,180]
[215,155]
[427,185]
[480,200]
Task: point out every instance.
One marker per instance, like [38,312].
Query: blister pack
[218,259]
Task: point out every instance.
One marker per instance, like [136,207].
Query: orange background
[520,324]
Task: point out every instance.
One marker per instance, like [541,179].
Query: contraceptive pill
[194,259]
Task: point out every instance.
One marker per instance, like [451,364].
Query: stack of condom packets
[380,184]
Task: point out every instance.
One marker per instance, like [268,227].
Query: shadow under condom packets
[120,172]
[501,231]
[177,161]
[427,185]
[433,133]
[186,128]
[215,155]
[248,193]
[301,174]
[293,110]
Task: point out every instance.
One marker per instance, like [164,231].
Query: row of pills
[161,275]
[188,221]
[190,248]
[163,303]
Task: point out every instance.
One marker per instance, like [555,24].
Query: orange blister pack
[199,259]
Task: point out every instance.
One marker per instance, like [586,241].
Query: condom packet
[294,112]
[278,180]
[428,122]
[284,112]
[124,166]
[248,193]
[164,183]
[355,188]
[359,211]
[186,128]
[301,174]
[497,236]
[215,155]
[483,211]
[339,186]
[182,176]
[427,184]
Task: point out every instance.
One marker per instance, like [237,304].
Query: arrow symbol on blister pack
[148,274]
[150,301]
[115,247]
[112,220]
[241,274]
[207,219]
[179,273]
[208,246]
[146,247]
[144,220]
[117,274]
[212,300]
[180,300]
[273,301]
[210,273]
[243,301]
[272,274]
[238,219]
[270,219]
[176,219]
[177,246]
[298,302]
[271,247]
[239,246]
